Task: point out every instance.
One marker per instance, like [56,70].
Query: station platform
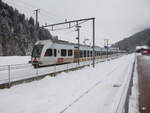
[143,68]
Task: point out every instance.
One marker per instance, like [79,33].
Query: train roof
[70,43]
[65,43]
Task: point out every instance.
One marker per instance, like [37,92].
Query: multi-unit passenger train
[50,52]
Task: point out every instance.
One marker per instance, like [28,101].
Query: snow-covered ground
[133,103]
[88,90]
[14,60]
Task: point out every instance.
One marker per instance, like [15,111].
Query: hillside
[18,33]
[138,39]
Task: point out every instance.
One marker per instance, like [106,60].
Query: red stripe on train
[60,60]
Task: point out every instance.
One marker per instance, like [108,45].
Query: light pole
[106,45]
[78,38]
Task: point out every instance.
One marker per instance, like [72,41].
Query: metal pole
[93,42]
[9,76]
[55,68]
[68,67]
[36,17]
[101,53]
[78,45]
[36,13]
[37,71]
[107,48]
[78,38]
[69,22]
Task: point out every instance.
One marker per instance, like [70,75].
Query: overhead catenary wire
[23,8]
[28,9]
[33,6]
[48,13]
[68,27]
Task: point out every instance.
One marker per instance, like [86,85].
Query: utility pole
[106,45]
[78,38]
[118,50]
[93,21]
[36,11]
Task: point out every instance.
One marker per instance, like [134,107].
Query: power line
[22,6]
[44,15]
[52,14]
[25,6]
[44,10]
[58,29]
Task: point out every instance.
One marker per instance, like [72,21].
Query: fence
[123,104]
[13,73]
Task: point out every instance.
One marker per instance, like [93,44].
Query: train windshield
[37,49]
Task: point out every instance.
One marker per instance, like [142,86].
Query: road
[144,83]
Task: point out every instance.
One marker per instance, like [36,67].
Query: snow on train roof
[66,43]
[141,47]
[70,43]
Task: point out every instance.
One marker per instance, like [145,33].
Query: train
[144,50]
[51,52]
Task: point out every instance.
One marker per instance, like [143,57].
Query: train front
[39,49]
[36,54]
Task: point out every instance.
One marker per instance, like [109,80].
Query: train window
[88,54]
[91,53]
[55,52]
[49,52]
[37,49]
[63,52]
[97,53]
[84,53]
[69,52]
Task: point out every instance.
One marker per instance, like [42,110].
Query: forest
[18,33]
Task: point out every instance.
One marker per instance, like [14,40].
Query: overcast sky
[115,19]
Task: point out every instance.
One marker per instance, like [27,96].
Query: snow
[9,60]
[141,47]
[88,90]
[133,103]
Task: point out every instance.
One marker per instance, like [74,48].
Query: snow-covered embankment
[89,90]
